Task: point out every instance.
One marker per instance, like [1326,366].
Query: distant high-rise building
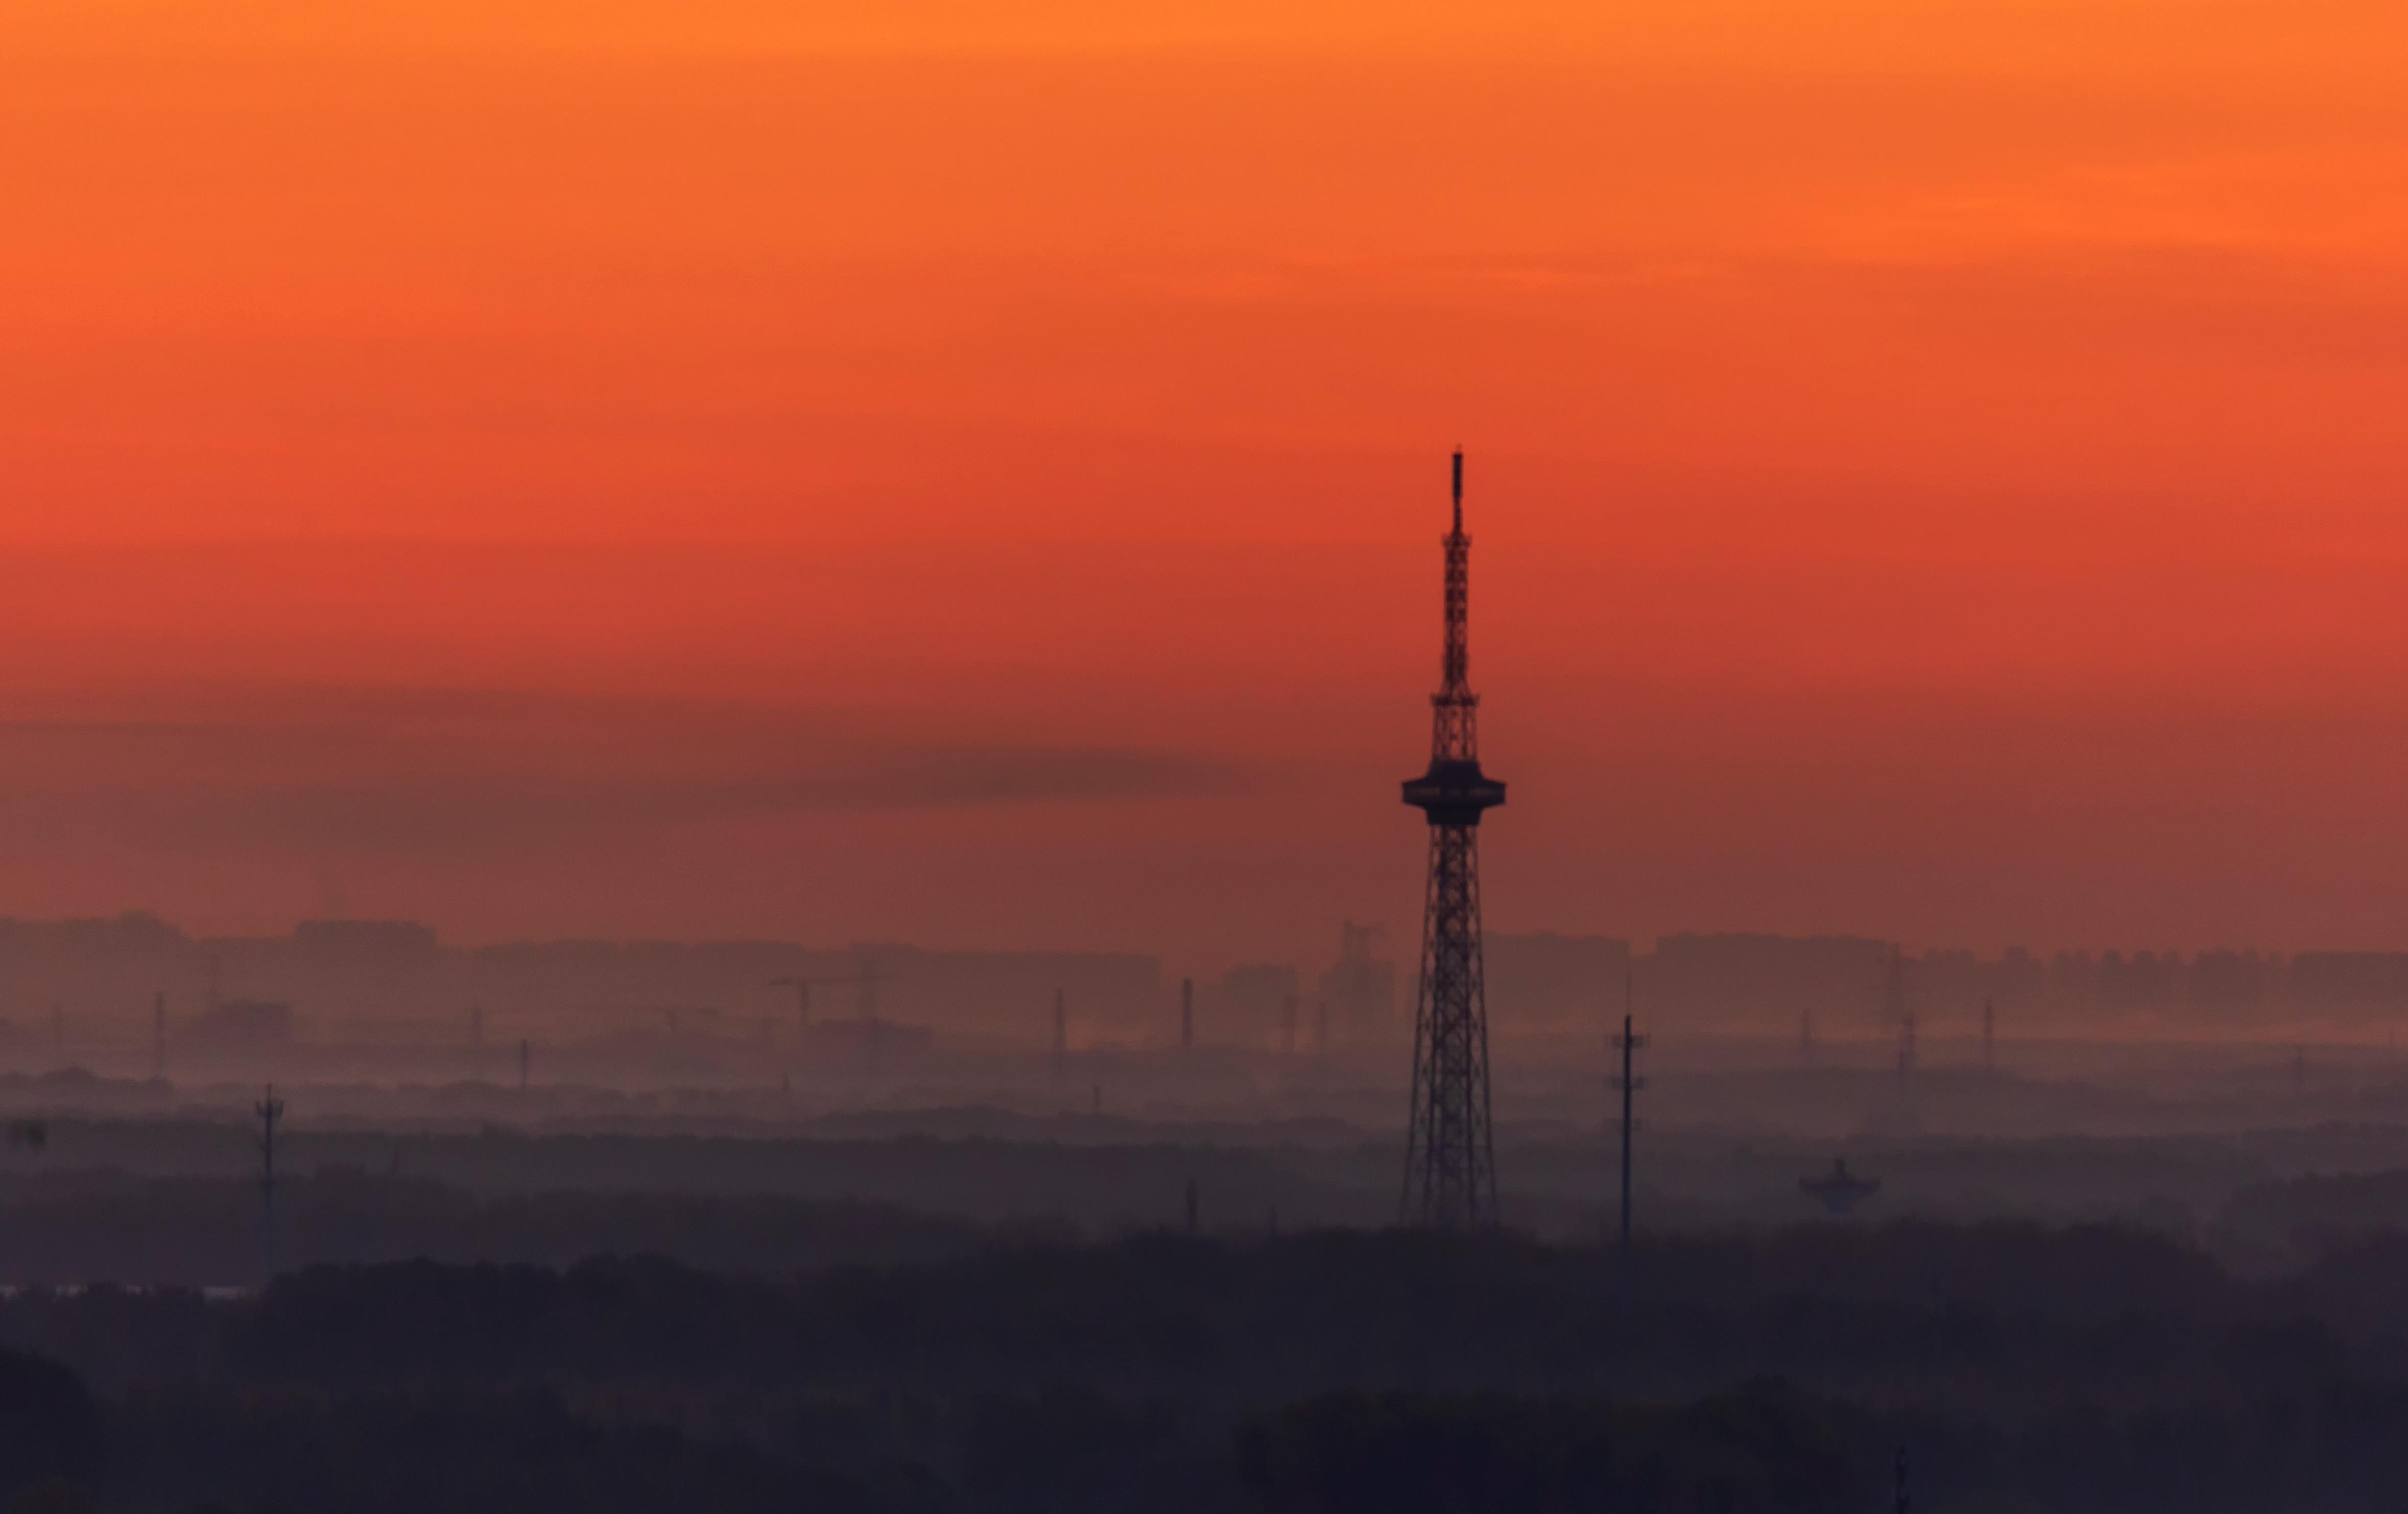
[1763,982]
[1250,1003]
[1360,987]
[1551,984]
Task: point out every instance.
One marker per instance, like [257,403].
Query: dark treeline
[106,1227]
[1122,1176]
[82,1207]
[2023,1368]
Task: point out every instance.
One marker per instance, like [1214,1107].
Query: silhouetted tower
[1449,1158]
[1321,1027]
[1629,1084]
[59,1033]
[159,1037]
[1187,1014]
[1899,1503]
[1287,1026]
[269,1110]
[1061,1030]
[1894,1010]
[526,1055]
[1989,1035]
[802,987]
[869,975]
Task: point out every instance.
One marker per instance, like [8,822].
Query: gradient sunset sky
[973,474]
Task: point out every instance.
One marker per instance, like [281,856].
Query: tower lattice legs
[1451,1161]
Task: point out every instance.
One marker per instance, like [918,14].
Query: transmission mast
[269,1110]
[1629,1084]
[1450,1155]
[1900,1016]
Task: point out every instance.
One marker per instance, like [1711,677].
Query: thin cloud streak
[573,774]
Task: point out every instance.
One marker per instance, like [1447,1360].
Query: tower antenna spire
[1450,1157]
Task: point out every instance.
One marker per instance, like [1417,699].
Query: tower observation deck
[1449,1158]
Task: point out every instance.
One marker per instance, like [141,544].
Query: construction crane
[867,976]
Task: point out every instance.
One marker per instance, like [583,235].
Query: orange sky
[972,474]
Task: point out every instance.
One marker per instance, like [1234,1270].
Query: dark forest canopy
[1349,1372]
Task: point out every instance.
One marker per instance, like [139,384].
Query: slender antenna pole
[269,1109]
[1628,1088]
[1627,1042]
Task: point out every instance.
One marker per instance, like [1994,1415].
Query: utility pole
[802,987]
[1629,1084]
[269,1110]
[1895,1010]
[868,981]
